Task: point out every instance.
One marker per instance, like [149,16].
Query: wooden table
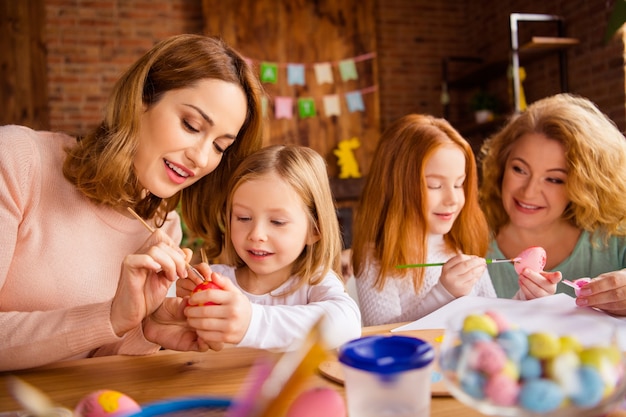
[169,374]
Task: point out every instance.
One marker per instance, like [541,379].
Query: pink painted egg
[580,282]
[106,403]
[532,258]
[318,402]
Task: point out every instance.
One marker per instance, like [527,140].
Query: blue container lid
[386,354]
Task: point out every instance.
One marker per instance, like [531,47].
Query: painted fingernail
[581,302]
[584,292]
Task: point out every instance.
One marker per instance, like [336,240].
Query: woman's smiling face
[183,136]
[534,194]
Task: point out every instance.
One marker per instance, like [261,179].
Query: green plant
[483,100]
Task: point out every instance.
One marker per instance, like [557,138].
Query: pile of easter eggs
[495,362]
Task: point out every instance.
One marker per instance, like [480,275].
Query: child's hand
[538,284]
[461,272]
[227,320]
[606,292]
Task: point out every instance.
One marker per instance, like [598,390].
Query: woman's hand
[184,287]
[168,327]
[538,284]
[227,319]
[144,281]
[460,273]
[607,292]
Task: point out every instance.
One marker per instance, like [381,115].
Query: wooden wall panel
[309,32]
[23,73]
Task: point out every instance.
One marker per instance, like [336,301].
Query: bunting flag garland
[323,71]
[331,105]
[295,74]
[355,101]
[284,108]
[306,107]
[269,72]
[347,68]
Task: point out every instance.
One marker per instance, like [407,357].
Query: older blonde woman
[554,177]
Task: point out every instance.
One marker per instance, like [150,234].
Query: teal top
[586,260]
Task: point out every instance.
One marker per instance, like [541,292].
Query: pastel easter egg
[544,345]
[106,403]
[532,258]
[541,395]
[487,357]
[580,282]
[480,322]
[317,402]
[590,387]
[502,390]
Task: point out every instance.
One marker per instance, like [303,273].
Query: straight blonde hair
[305,171]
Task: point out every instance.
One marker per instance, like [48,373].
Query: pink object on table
[577,284]
[532,258]
[317,402]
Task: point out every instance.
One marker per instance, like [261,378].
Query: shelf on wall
[546,44]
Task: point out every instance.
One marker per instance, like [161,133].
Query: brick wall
[413,36]
[91,42]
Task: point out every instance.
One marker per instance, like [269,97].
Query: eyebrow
[517,158]
[208,119]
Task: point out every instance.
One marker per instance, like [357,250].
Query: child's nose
[257,233]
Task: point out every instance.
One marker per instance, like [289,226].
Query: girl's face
[445,174]
[269,227]
[183,136]
[533,185]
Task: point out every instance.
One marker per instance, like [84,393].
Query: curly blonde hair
[595,151]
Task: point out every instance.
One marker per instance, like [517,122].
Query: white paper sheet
[557,312]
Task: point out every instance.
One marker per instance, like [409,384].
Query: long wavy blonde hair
[101,164]
[595,151]
[391,221]
[305,171]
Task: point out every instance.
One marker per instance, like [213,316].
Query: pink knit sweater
[60,258]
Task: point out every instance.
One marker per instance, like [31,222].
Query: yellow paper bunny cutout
[346,159]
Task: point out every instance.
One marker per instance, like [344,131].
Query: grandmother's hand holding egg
[460,273]
[145,279]
[607,292]
[533,281]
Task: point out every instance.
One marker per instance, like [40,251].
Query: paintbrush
[152,229]
[489,261]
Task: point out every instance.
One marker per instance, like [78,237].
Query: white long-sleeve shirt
[279,322]
[398,301]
